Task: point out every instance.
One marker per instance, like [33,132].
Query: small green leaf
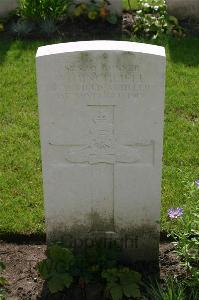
[110,275]
[2,266]
[112,19]
[60,254]
[173,19]
[116,292]
[128,276]
[55,284]
[3,281]
[43,268]
[59,281]
[60,267]
[67,279]
[131,290]
[1,27]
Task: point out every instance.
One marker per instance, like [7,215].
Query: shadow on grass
[18,47]
[182,50]
[4,48]
[185,50]
[20,238]
[68,32]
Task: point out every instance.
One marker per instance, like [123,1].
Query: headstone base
[139,243]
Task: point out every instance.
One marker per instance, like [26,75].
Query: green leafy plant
[122,283]
[49,14]
[171,291]
[187,245]
[1,25]
[152,20]
[56,269]
[3,281]
[95,10]
[90,264]
[37,10]
[22,28]
[96,264]
[187,240]
[48,27]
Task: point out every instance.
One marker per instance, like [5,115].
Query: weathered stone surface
[101,120]
[7,6]
[183,9]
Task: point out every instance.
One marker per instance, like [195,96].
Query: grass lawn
[21,198]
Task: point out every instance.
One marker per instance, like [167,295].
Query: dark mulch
[25,283]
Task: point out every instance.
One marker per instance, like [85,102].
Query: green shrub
[96,264]
[152,20]
[48,27]
[37,10]
[122,282]
[56,269]
[47,15]
[94,10]
[22,28]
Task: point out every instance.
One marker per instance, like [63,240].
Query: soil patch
[25,283]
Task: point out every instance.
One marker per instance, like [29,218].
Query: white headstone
[101,120]
[115,5]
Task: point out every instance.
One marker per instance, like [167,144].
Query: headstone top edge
[81,46]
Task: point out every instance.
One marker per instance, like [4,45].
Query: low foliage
[38,10]
[48,27]
[187,240]
[22,28]
[122,282]
[39,16]
[47,16]
[3,281]
[152,20]
[172,290]
[1,25]
[90,264]
[56,269]
[96,264]
[95,10]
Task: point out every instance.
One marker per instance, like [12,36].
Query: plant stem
[129,3]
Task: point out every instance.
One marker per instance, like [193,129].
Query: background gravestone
[184,9]
[7,6]
[101,120]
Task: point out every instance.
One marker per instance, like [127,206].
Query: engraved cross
[103,153]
